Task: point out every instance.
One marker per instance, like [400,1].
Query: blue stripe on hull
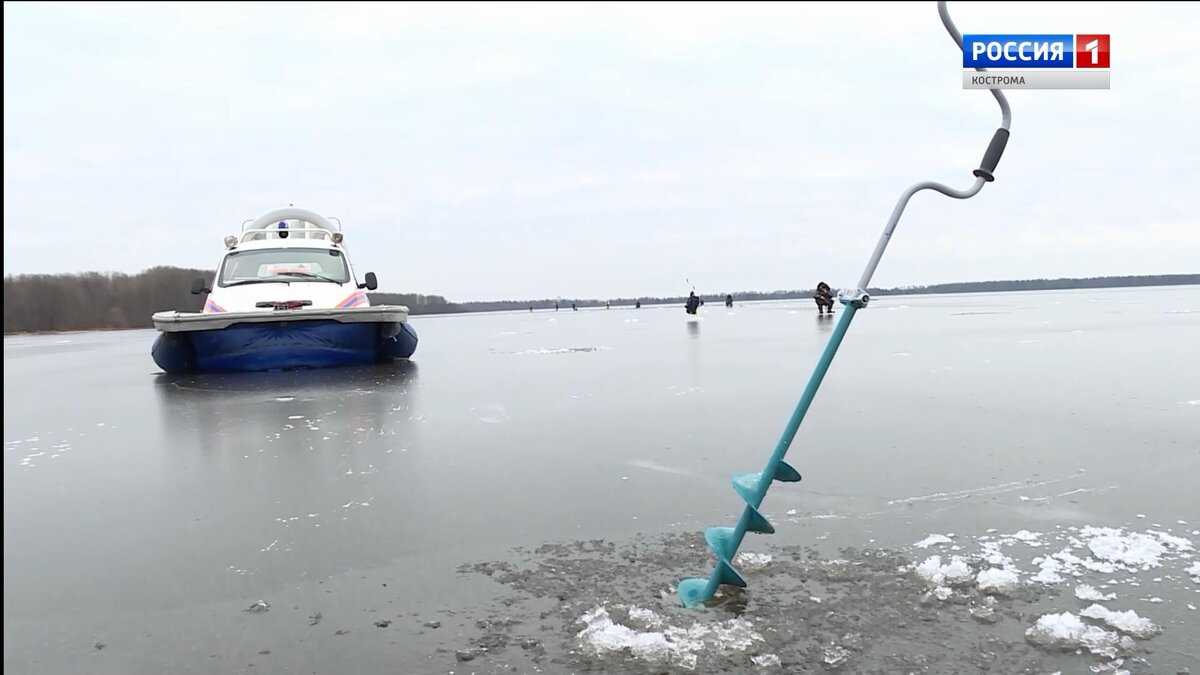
[284,345]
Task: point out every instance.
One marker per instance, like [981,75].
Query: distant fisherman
[693,303]
[638,305]
[824,298]
[729,301]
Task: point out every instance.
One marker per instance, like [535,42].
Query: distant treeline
[92,300]
[1044,284]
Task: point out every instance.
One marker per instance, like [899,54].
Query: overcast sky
[537,150]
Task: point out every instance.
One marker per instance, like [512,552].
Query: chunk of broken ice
[932,540]
[1086,592]
[1067,632]
[1127,622]
[955,572]
[992,580]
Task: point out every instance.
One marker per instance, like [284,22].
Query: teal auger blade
[693,592]
[752,487]
[720,540]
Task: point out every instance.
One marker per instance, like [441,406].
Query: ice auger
[752,487]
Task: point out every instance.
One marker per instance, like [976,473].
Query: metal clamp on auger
[858,297]
[752,488]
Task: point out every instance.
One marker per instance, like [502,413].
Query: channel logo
[1034,61]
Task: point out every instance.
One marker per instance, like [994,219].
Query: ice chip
[932,540]
[1127,622]
[1068,633]
[1086,592]
[1000,581]
[954,573]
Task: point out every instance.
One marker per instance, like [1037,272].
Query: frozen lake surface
[1008,482]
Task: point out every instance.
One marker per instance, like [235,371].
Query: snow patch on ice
[646,616]
[752,560]
[766,660]
[992,555]
[27,460]
[1132,549]
[1083,554]
[563,350]
[675,644]
[1172,542]
[1028,537]
[834,655]
[1049,572]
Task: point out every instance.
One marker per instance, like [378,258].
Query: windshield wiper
[243,282]
[308,275]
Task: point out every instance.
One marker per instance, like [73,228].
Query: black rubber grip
[992,157]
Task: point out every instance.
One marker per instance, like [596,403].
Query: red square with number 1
[1091,51]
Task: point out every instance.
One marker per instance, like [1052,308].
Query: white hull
[178,322]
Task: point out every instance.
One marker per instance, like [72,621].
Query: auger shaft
[696,591]
[752,488]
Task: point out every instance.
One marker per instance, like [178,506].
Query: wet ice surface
[1016,493]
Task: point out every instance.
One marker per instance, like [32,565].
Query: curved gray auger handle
[984,174]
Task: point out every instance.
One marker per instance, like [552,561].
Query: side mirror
[198,286]
[369,281]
